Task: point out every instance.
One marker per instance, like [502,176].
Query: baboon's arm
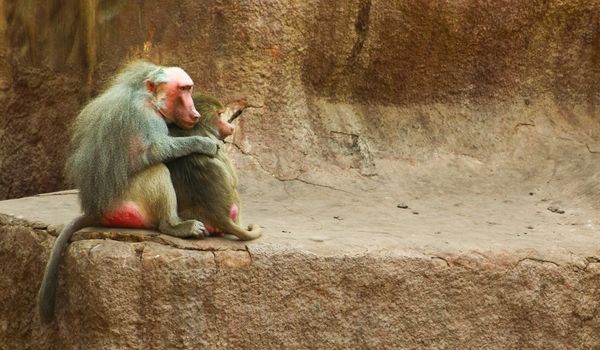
[169,148]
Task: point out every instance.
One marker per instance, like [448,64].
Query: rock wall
[442,104]
[343,83]
[206,294]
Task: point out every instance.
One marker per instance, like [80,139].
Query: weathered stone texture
[344,82]
[478,115]
[145,295]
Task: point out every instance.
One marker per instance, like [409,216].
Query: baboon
[119,146]
[206,187]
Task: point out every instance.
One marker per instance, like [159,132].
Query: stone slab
[335,269]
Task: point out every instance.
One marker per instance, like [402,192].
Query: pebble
[556,210]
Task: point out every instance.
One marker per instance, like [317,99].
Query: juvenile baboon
[119,145]
[207,187]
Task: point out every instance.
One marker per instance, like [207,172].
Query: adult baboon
[207,187]
[120,143]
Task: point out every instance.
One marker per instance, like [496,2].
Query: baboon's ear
[150,86]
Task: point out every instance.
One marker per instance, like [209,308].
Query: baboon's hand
[207,146]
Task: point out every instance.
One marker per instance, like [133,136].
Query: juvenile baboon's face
[175,99]
[225,116]
[224,127]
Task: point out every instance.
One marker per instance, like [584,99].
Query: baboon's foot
[184,229]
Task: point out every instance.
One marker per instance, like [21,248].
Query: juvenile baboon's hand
[207,146]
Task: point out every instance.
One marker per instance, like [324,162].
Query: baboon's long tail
[253,232]
[47,293]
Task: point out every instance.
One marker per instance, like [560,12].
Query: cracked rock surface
[403,163]
[342,85]
[334,270]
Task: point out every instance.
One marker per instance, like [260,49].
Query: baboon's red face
[175,99]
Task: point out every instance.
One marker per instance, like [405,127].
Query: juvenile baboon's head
[216,116]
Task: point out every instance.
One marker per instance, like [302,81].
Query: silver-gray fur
[119,144]
[111,125]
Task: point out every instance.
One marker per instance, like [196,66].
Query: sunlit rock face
[342,84]
[435,144]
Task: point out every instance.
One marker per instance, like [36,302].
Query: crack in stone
[361,27]
[59,193]
[524,124]
[250,255]
[297,178]
[143,331]
[239,148]
[441,258]
[590,260]
[215,259]
[541,261]
[345,133]
[590,149]
[318,185]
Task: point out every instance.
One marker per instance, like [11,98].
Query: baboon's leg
[153,187]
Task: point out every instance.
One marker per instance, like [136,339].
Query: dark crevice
[144,297]
[362,28]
